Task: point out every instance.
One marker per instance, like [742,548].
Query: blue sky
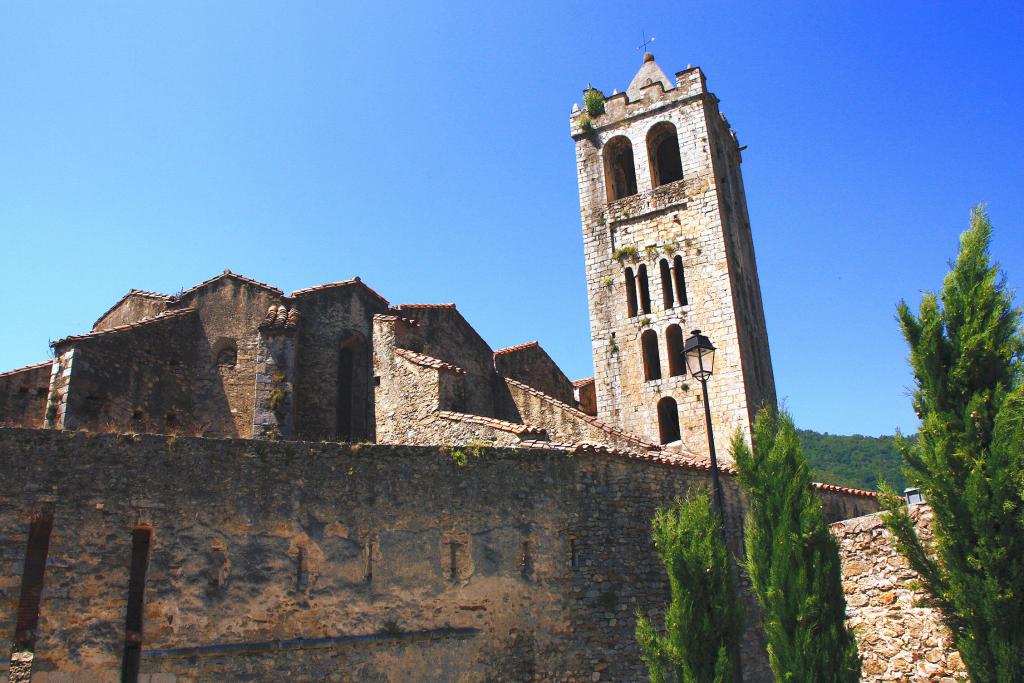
[426,149]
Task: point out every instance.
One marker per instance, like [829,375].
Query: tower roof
[649,73]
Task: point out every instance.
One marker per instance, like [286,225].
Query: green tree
[792,559]
[703,621]
[968,460]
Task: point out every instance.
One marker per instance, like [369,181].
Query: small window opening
[171,419]
[32,582]
[574,556]
[137,415]
[676,362]
[680,279]
[649,346]
[136,598]
[227,353]
[301,570]
[346,388]
[41,392]
[663,154]
[630,293]
[666,285]
[453,560]
[369,561]
[526,561]
[619,170]
[22,390]
[645,292]
[668,420]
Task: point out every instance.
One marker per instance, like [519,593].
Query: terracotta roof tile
[396,318]
[513,349]
[166,315]
[34,366]
[236,276]
[428,361]
[582,382]
[515,428]
[342,283]
[844,489]
[403,307]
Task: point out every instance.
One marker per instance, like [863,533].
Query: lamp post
[700,361]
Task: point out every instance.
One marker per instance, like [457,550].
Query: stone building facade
[668,249]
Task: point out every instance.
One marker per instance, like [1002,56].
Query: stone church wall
[23,395]
[531,365]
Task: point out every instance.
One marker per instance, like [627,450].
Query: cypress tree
[703,621]
[968,460]
[792,559]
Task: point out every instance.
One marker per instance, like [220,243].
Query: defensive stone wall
[318,561]
[899,636]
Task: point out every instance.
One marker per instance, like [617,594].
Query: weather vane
[643,46]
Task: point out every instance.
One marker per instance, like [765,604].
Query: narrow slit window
[630,293]
[32,582]
[649,347]
[674,340]
[645,292]
[667,296]
[141,537]
[680,280]
[668,420]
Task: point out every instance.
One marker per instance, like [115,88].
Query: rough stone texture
[531,365]
[586,397]
[899,638]
[701,218]
[133,307]
[23,395]
[274,544]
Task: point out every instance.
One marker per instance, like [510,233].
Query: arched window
[680,278]
[666,285]
[226,352]
[663,154]
[619,172]
[674,340]
[668,420]
[630,293]
[649,346]
[645,292]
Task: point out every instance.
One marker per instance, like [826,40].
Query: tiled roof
[134,292]
[166,315]
[342,283]
[228,273]
[396,318]
[428,361]
[403,307]
[513,349]
[603,426]
[515,428]
[34,366]
[582,382]
[843,489]
[280,318]
[661,457]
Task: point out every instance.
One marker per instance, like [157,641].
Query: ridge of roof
[228,273]
[604,426]
[582,382]
[33,366]
[428,361]
[391,317]
[504,425]
[160,317]
[401,307]
[844,489]
[520,347]
[661,457]
[340,283]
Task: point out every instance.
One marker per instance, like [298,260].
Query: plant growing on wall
[792,559]
[966,349]
[593,101]
[622,253]
[703,621]
[586,123]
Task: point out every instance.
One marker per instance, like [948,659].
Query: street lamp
[700,361]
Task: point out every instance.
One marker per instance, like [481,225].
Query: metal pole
[719,500]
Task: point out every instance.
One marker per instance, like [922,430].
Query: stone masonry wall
[133,307]
[23,395]
[899,638]
[320,561]
[682,218]
[531,365]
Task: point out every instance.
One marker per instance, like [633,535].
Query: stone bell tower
[668,249]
